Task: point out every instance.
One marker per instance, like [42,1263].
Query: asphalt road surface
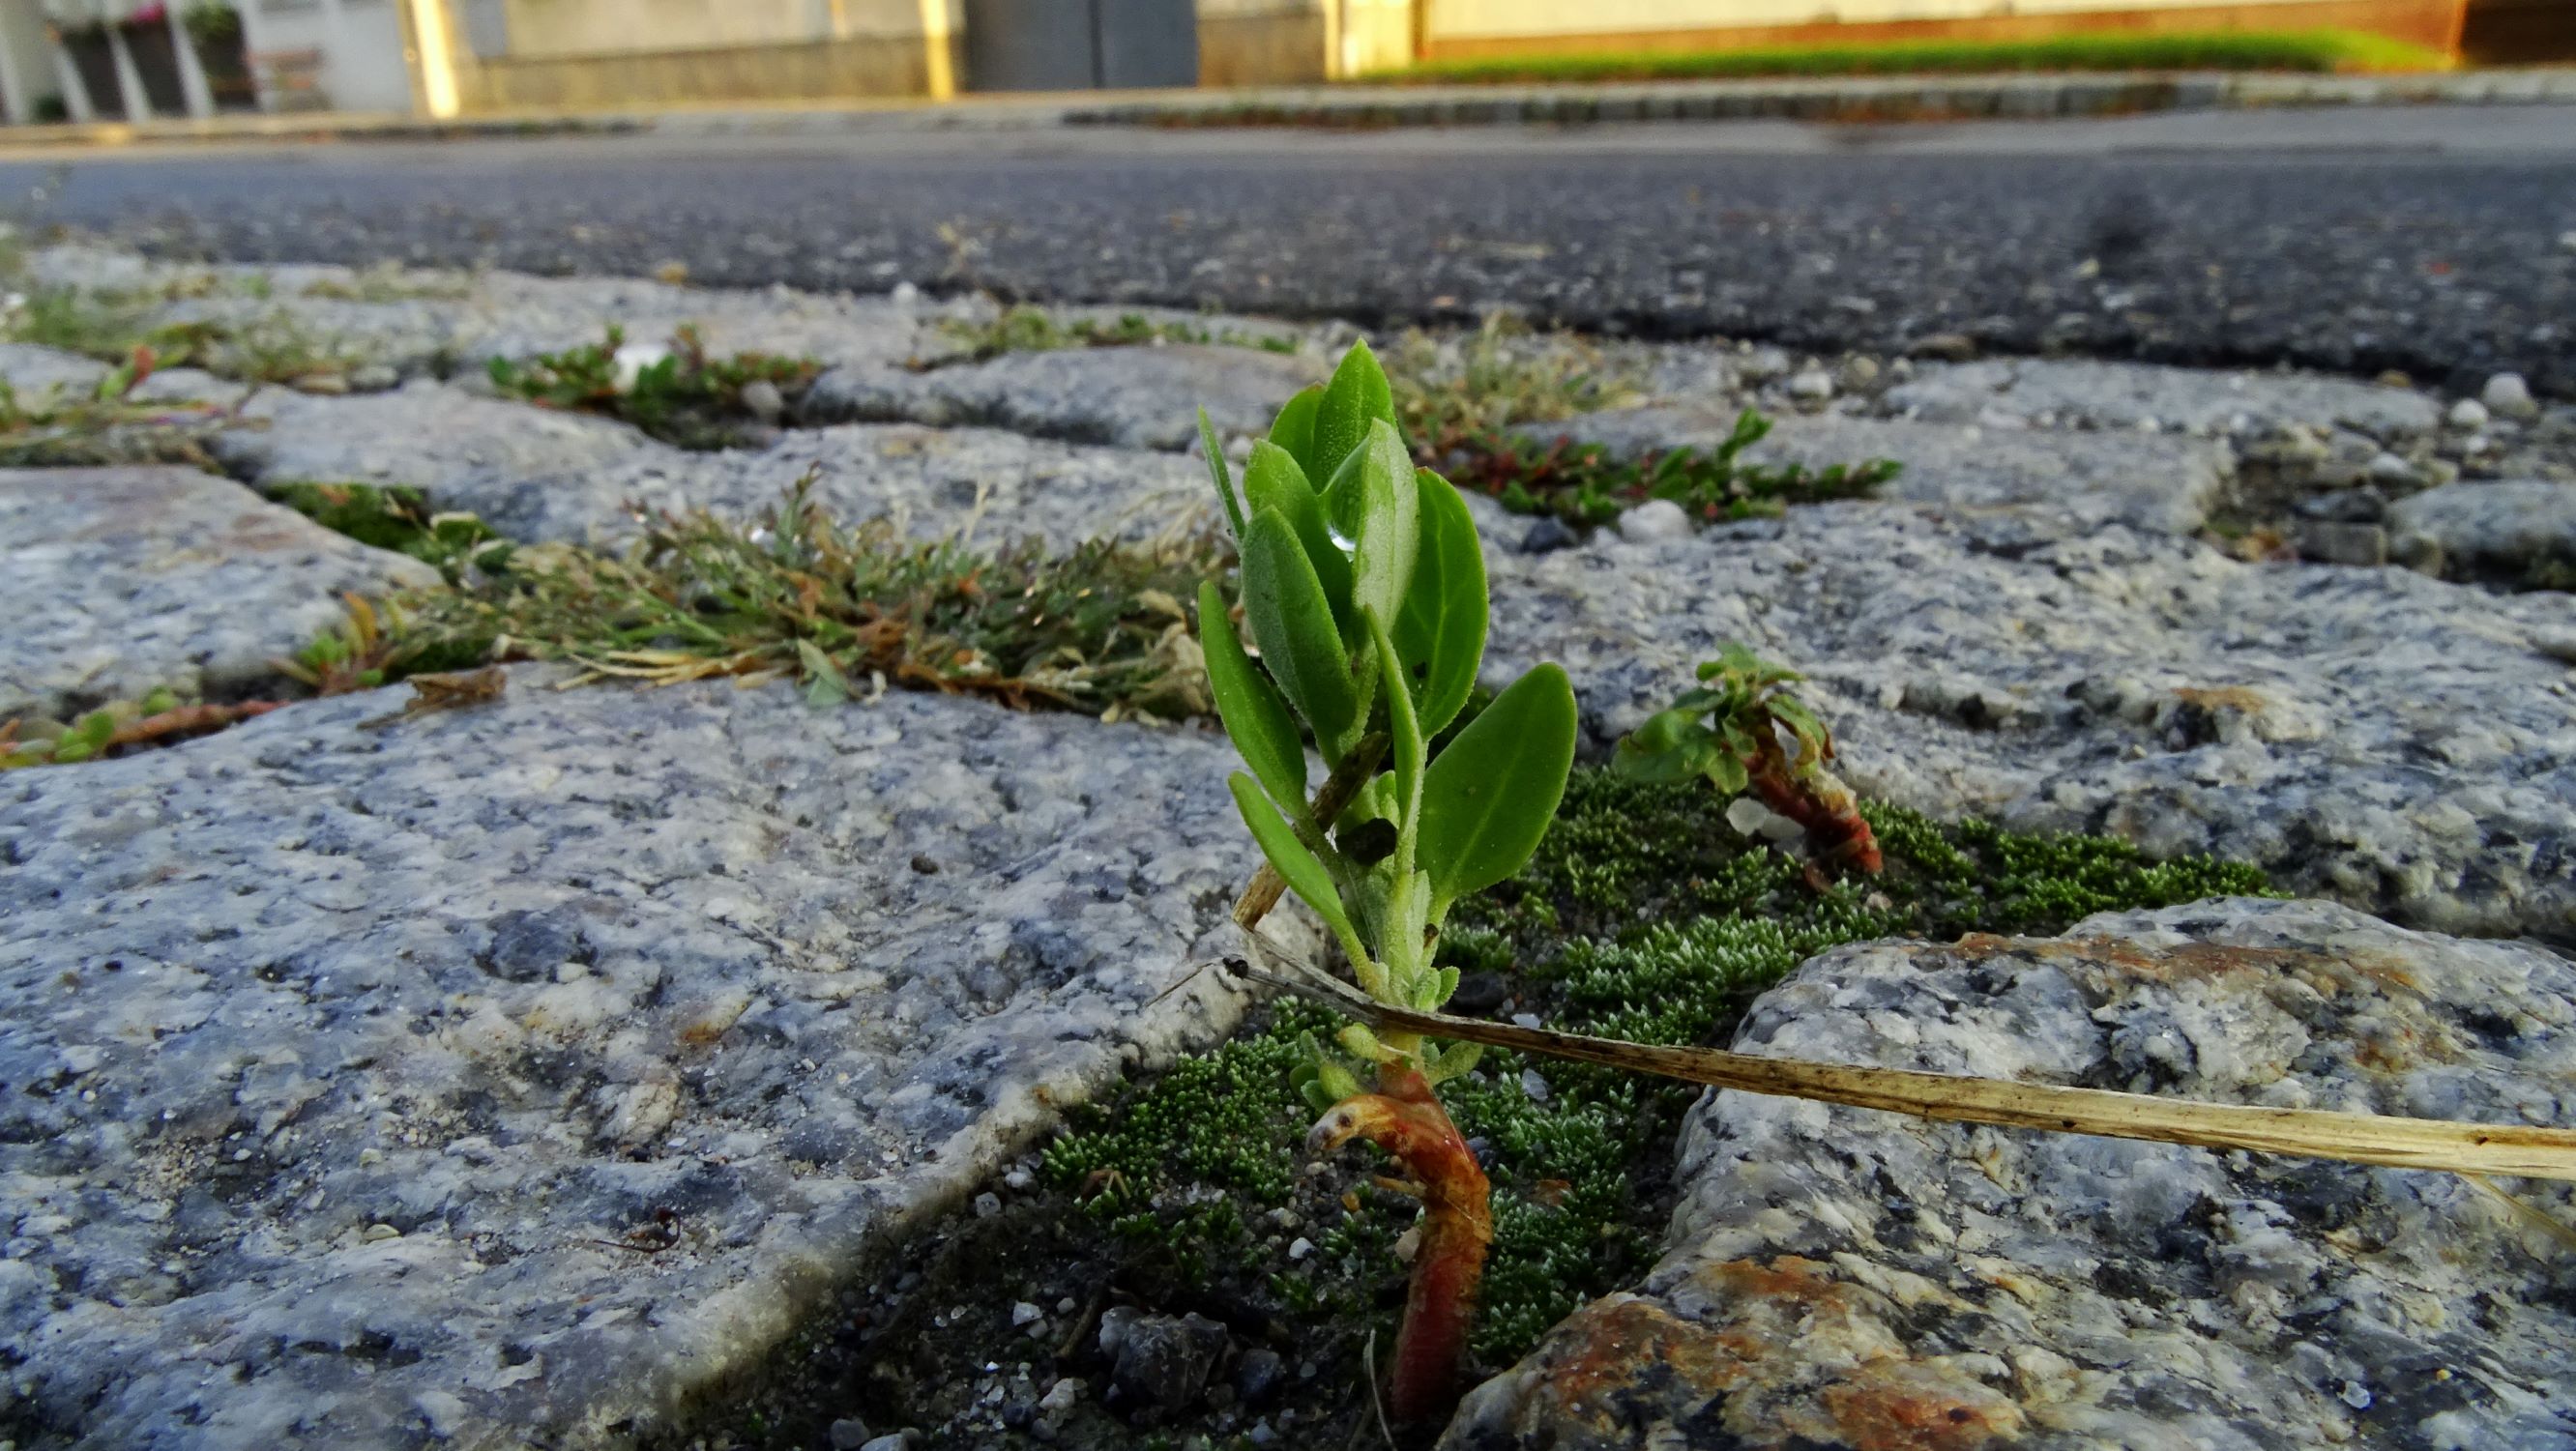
[2437,241]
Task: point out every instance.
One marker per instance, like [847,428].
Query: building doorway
[1080,45]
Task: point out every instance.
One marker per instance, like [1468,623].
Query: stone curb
[1879,98]
[1858,98]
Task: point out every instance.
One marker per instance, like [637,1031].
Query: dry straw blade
[2359,1138]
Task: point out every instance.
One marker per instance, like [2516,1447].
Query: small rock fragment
[1811,385]
[849,1434]
[762,400]
[1025,1313]
[1258,1375]
[2468,415]
[2331,541]
[1947,347]
[1547,536]
[2508,396]
[1161,1360]
[1654,521]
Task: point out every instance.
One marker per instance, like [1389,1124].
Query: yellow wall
[1457,20]
[544,29]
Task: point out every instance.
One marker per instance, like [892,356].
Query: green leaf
[96,729]
[1294,429]
[1362,1044]
[1335,1079]
[1357,397]
[1389,524]
[824,682]
[1304,874]
[1216,472]
[1293,622]
[1272,479]
[1255,716]
[1403,741]
[1438,988]
[1455,1061]
[1671,746]
[1440,633]
[1489,797]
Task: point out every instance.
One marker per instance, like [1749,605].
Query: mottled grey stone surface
[35,372]
[1842,1278]
[2518,532]
[469,452]
[2058,392]
[1135,397]
[988,487]
[2372,735]
[540,475]
[116,582]
[342,1061]
[433,322]
[2151,482]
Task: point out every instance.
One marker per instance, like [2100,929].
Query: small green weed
[1590,484]
[103,427]
[157,718]
[1644,916]
[1026,329]
[110,325]
[843,611]
[388,282]
[1452,392]
[688,396]
[399,519]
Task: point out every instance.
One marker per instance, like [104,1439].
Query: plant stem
[1262,892]
[1404,1117]
[1818,801]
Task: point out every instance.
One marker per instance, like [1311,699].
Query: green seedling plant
[1590,484]
[1743,729]
[689,396]
[1364,588]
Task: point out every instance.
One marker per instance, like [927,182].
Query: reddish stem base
[1405,1118]
[1836,833]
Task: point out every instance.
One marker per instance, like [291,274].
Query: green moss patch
[1645,916]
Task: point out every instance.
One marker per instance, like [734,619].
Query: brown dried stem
[2359,1138]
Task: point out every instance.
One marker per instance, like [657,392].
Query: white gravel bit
[1653,520]
[2508,396]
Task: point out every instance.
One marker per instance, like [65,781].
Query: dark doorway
[1080,45]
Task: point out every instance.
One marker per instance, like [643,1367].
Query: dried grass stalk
[2358,1138]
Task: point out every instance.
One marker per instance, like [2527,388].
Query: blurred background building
[135,60]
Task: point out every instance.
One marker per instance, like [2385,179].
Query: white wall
[361,41]
[545,28]
[28,55]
